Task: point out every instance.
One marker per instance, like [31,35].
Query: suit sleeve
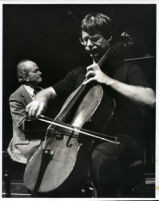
[17,109]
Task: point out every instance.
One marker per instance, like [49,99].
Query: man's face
[33,75]
[96,45]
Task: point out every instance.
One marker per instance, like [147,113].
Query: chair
[13,178]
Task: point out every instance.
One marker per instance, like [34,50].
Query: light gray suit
[19,147]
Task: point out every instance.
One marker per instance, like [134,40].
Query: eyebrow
[36,69]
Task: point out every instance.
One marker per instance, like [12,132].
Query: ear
[20,80]
[25,78]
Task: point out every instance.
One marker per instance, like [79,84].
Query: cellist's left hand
[94,73]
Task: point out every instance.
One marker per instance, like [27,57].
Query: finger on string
[90,67]
[89,80]
[90,73]
[94,62]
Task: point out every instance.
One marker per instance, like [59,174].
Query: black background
[49,35]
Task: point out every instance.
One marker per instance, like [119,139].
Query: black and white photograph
[79,100]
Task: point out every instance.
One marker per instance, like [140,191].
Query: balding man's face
[33,75]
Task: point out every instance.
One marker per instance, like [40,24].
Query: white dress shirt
[30,90]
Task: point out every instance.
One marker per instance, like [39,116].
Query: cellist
[132,94]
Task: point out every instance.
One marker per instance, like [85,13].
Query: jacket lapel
[25,95]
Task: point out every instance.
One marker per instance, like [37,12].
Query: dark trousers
[110,164]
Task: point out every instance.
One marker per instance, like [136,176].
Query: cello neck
[104,57]
[76,94]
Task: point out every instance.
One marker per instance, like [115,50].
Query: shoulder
[134,74]
[128,65]
[131,68]
[75,75]
[78,70]
[120,70]
[65,86]
[128,68]
[17,93]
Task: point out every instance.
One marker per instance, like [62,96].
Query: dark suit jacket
[19,146]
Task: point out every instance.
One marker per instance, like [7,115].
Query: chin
[39,81]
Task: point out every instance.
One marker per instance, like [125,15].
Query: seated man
[29,76]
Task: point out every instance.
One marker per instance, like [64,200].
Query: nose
[89,43]
[40,72]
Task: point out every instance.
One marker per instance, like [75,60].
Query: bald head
[28,72]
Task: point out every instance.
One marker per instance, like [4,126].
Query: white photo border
[157,82]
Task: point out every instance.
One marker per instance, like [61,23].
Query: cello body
[57,168]
[53,163]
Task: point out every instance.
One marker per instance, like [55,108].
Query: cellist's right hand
[39,104]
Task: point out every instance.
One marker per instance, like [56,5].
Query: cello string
[102,59]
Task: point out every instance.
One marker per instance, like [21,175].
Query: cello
[53,162]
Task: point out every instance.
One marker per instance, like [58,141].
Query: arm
[143,95]
[39,104]
[139,94]
[61,89]
[18,112]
